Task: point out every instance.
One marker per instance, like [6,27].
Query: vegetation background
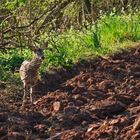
[75,29]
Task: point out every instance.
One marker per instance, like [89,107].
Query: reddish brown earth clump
[95,100]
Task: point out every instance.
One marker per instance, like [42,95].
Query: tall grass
[109,34]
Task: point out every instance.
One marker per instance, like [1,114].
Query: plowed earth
[97,99]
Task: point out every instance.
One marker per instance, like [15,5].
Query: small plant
[96,37]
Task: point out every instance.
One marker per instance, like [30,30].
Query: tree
[29,23]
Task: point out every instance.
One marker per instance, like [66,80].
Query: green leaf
[22,1]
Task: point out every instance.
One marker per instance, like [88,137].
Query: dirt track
[95,100]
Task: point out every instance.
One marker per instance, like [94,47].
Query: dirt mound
[96,100]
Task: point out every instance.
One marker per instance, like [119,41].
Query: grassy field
[111,33]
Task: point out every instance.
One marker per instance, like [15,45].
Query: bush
[10,63]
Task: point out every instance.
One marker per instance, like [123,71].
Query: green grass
[109,34]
